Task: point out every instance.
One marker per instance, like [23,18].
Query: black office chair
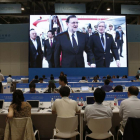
[132,129]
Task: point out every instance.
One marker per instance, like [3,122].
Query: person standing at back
[1,79]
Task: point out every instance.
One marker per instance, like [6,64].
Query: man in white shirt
[130,107]
[65,107]
[97,110]
[9,79]
[1,79]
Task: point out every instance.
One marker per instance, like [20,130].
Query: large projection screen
[87,49]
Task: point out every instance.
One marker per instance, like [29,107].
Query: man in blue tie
[72,44]
[101,43]
[119,39]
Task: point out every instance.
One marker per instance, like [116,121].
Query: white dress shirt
[65,107]
[35,43]
[9,80]
[75,36]
[104,40]
[97,111]
[129,108]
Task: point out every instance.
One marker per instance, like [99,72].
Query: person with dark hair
[137,78]
[90,32]
[32,87]
[119,39]
[35,53]
[109,78]
[44,77]
[35,80]
[52,80]
[106,86]
[118,76]
[130,107]
[19,108]
[1,79]
[118,88]
[113,77]
[51,87]
[61,73]
[138,72]
[65,107]
[63,82]
[9,79]
[49,46]
[97,110]
[84,80]
[41,80]
[95,79]
[72,44]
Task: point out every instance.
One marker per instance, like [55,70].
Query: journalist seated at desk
[130,107]
[97,110]
[32,87]
[118,88]
[9,79]
[65,107]
[106,86]
[84,80]
[63,82]
[35,80]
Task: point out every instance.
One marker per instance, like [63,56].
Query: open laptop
[90,100]
[1,105]
[34,104]
[119,101]
[85,89]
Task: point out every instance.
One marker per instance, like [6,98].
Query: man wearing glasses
[119,39]
[72,44]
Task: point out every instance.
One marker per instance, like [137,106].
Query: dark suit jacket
[70,58]
[33,54]
[106,88]
[98,51]
[48,50]
[117,37]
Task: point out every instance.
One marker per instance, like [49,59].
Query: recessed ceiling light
[22,9]
[108,9]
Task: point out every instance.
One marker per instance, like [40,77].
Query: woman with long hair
[19,108]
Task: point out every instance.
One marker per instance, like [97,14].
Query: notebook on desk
[34,104]
[1,105]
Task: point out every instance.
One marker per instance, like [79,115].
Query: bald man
[35,51]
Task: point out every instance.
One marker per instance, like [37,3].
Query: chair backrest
[132,129]
[66,124]
[19,129]
[100,125]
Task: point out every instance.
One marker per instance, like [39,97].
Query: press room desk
[45,122]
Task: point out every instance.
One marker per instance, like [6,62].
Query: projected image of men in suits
[101,43]
[49,46]
[72,44]
[36,53]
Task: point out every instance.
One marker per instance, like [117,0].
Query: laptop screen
[34,104]
[1,104]
[119,101]
[85,88]
[90,100]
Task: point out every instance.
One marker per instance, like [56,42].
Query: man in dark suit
[49,46]
[119,39]
[36,53]
[90,32]
[72,44]
[101,43]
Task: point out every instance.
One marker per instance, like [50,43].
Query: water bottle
[52,101]
[92,87]
[81,104]
[77,100]
[115,101]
